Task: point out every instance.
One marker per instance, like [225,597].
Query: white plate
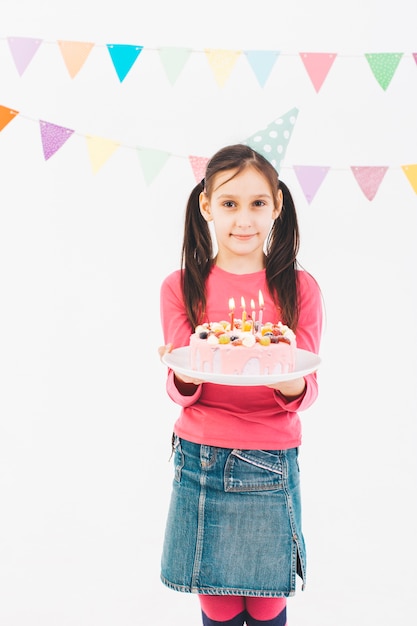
[179,360]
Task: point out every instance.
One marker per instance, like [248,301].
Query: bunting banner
[123,57]
[271,141]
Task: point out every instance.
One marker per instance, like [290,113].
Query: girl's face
[242,209]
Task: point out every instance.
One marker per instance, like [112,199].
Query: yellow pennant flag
[411,172]
[222,63]
[99,151]
[74,54]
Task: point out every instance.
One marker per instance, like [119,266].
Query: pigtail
[196,258]
[281,261]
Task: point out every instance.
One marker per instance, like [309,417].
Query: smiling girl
[233,532]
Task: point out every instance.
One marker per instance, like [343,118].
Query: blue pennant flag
[123,57]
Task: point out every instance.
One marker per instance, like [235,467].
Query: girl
[233,533]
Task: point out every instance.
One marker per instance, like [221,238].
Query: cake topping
[244,333]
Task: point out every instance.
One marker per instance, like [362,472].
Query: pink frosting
[277,358]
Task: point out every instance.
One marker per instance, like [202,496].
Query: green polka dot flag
[272,141]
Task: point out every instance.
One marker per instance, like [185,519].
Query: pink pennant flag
[317,65]
[53,138]
[23,50]
[415,56]
[198,165]
[369,178]
[310,178]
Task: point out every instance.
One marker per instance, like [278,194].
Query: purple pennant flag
[23,50]
[310,178]
[53,137]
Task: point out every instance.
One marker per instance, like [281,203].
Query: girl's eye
[229,204]
[259,203]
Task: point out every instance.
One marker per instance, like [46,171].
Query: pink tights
[225,609]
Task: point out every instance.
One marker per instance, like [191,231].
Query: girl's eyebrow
[255,196]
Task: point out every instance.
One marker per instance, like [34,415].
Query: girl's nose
[243,219]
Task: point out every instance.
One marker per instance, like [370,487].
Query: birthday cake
[245,349]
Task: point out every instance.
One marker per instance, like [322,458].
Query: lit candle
[261,307]
[252,306]
[243,303]
[232,313]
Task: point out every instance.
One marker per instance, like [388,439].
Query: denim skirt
[234,522]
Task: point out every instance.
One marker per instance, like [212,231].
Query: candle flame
[252,304]
[242,302]
[232,304]
[261,299]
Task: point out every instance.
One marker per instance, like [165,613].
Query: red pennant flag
[369,178]
[23,50]
[53,138]
[317,65]
[310,178]
[6,116]
[198,165]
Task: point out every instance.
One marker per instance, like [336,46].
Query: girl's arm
[176,329]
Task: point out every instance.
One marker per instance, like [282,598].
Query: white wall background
[84,421]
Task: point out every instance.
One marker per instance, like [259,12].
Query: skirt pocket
[253,470]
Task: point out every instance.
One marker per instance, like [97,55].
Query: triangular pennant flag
[411,172]
[53,137]
[99,150]
[383,66]
[272,141]
[222,63]
[198,165]
[6,116]
[317,65]
[23,50]
[310,178]
[369,178]
[74,54]
[173,61]
[123,57]
[415,56]
[152,161]
[262,62]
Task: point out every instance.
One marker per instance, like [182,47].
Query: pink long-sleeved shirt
[240,417]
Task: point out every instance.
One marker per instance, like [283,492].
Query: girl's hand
[291,389]
[162,350]
[185,384]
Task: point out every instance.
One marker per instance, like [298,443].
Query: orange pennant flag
[6,116]
[74,54]
[222,63]
[411,172]
[317,65]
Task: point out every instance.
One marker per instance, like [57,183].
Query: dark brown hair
[281,247]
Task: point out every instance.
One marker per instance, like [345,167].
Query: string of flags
[271,141]
[123,57]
